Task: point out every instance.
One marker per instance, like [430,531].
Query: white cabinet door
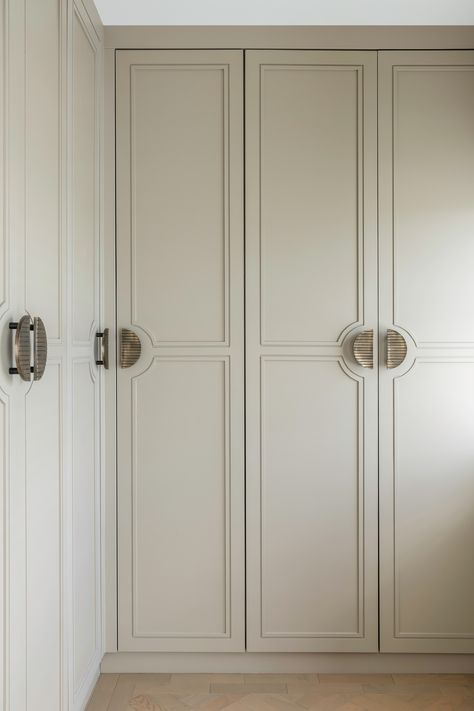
[84,374]
[33,413]
[311,268]
[426,149]
[180,407]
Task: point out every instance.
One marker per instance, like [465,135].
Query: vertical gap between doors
[378,359]
[116,360]
[244,225]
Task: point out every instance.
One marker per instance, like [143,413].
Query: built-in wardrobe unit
[295,375]
[50,593]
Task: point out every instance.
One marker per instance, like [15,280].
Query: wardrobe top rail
[290,37]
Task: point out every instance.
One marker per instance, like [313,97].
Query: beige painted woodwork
[311,409]
[426,168]
[180,407]
[84,374]
[49,429]
[34,259]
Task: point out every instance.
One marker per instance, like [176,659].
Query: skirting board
[150,662]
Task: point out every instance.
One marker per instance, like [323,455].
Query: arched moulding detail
[347,370]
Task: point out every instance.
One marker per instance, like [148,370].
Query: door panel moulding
[289,37]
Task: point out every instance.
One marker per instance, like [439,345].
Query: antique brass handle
[130,348]
[22,350]
[40,348]
[363,349]
[103,348]
[396,348]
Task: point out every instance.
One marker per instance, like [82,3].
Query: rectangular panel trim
[90,34]
[360,504]
[227,490]
[359,69]
[396,578]
[397,69]
[226,189]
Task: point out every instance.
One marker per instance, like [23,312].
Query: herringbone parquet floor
[283,692]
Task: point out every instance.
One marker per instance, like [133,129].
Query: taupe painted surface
[291,37]
[311,409]
[426,159]
[180,408]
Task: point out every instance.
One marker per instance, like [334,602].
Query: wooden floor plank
[283,692]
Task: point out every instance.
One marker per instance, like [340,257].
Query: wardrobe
[295,363]
[51,642]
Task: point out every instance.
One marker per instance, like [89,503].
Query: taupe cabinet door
[315,413]
[426,151]
[180,407]
[311,269]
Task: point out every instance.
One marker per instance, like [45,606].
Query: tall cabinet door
[311,269]
[84,374]
[426,117]
[180,405]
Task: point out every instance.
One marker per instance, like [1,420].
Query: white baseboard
[149,662]
[84,692]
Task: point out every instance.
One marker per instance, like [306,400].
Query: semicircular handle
[130,348]
[363,348]
[396,348]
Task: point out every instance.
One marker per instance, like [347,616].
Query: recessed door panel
[309,232]
[180,201]
[434,499]
[311,267]
[433,143]
[308,404]
[426,168]
[181,498]
[180,406]
[85,214]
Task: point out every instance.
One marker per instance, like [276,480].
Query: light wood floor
[283,692]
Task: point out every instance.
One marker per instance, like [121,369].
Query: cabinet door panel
[311,268]
[426,152]
[180,408]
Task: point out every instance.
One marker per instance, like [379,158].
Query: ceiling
[286,12]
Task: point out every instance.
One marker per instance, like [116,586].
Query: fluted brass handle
[40,348]
[22,348]
[130,348]
[363,349]
[396,348]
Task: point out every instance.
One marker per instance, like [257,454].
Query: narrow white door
[84,374]
[426,118]
[311,268]
[51,215]
[33,412]
[180,406]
